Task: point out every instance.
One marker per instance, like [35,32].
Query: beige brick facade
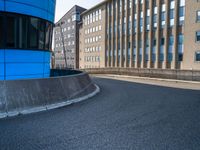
[92,38]
[191,27]
[143,34]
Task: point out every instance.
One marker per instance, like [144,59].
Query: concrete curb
[187,75]
[148,78]
[52,106]
[181,84]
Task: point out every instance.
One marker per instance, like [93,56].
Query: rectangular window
[180,47]
[170,49]
[198,36]
[198,16]
[181,15]
[197,56]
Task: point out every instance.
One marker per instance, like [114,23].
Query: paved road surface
[124,116]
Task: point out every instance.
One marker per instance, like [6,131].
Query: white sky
[62,6]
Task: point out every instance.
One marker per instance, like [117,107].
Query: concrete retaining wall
[24,96]
[190,75]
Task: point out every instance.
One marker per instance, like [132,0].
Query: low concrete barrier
[189,75]
[26,96]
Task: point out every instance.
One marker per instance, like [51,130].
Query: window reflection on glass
[23,32]
[1,31]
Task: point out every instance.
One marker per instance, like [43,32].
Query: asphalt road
[124,116]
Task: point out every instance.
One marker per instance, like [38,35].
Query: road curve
[124,116]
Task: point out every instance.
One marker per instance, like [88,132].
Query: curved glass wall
[24,32]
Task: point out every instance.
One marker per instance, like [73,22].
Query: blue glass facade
[25,40]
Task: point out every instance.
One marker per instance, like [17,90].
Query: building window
[163,16]
[198,36]
[141,21]
[180,47]
[155,17]
[1,32]
[182,12]
[197,56]
[198,16]
[172,12]
[147,50]
[100,16]
[170,49]
[162,43]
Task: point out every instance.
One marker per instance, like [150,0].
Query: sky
[62,6]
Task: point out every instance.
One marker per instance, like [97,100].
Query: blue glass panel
[46,68]
[47,56]
[24,77]
[24,56]
[51,6]
[33,3]
[46,75]
[50,17]
[1,56]
[27,9]
[1,5]
[1,77]
[1,69]
[24,69]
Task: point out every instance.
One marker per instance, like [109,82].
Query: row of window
[93,39]
[60,66]
[141,19]
[60,51]
[161,57]
[24,32]
[64,29]
[92,58]
[68,36]
[93,17]
[61,58]
[91,66]
[76,16]
[93,30]
[154,43]
[69,43]
[92,49]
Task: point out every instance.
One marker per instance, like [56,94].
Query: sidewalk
[153,81]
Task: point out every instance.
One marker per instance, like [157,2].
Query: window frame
[196,37]
[195,56]
[198,16]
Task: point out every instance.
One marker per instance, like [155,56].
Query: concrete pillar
[131,37]
[126,33]
[117,34]
[121,34]
[149,65]
[175,33]
[166,34]
[109,44]
[137,35]
[158,34]
[105,35]
[144,35]
[113,33]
